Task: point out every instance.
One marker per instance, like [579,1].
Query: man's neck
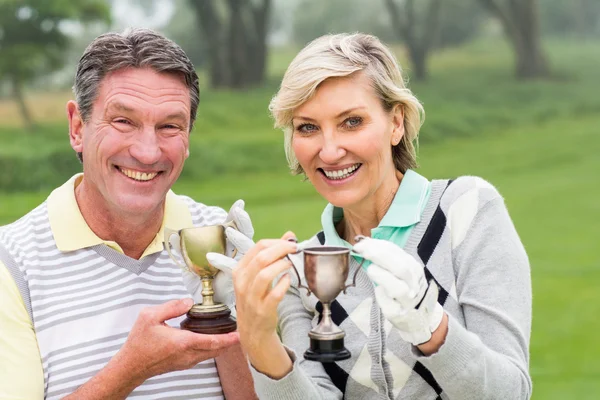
[133,233]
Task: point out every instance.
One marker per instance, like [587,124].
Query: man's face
[136,140]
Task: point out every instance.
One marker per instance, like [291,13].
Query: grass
[537,142]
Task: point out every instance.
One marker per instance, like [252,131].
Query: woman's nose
[332,150]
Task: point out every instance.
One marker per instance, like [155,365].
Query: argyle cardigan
[468,245]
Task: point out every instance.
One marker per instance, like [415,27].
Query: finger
[290,236]
[238,204]
[166,311]
[203,342]
[394,287]
[263,282]
[257,248]
[231,214]
[266,257]
[239,240]
[243,221]
[277,293]
[387,255]
[389,307]
[222,262]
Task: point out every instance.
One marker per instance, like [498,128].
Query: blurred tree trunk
[237,48]
[406,25]
[210,21]
[17,92]
[521,22]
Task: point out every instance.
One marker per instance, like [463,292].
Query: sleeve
[488,358]
[308,379]
[21,375]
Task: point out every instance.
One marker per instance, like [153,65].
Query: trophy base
[327,350]
[210,320]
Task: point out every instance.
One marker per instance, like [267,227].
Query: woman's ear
[398,124]
[75,126]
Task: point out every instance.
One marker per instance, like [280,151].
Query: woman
[443,309]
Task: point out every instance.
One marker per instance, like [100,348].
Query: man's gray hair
[134,48]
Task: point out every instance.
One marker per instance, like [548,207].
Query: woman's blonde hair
[341,55]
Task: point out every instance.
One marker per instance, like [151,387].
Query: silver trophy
[326,271]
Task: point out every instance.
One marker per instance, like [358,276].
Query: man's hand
[156,348]
[404,295]
[223,283]
[153,348]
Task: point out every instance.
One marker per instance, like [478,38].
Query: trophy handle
[300,285]
[353,284]
[168,234]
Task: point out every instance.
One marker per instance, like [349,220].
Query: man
[90,299]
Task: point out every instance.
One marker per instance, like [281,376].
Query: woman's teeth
[341,173]
[137,175]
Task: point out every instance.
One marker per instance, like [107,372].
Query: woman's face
[343,140]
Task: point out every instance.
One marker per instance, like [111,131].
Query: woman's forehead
[338,94]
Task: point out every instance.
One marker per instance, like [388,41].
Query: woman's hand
[406,299]
[257,300]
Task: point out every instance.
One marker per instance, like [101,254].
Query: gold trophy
[193,245]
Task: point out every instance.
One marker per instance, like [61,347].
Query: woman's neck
[361,218]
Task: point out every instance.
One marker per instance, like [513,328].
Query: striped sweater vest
[83,304]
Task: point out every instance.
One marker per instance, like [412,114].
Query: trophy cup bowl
[326,270]
[194,243]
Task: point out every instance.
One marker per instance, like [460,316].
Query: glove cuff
[430,314]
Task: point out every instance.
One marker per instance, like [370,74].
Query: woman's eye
[306,128]
[353,122]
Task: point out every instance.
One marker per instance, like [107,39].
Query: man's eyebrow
[178,115]
[119,107]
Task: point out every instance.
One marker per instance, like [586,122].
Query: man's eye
[122,121]
[353,122]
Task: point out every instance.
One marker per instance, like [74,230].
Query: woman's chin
[341,199]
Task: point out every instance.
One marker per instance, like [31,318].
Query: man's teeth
[137,175]
[342,173]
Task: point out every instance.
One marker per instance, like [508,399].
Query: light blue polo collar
[405,210]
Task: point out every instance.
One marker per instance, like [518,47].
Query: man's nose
[146,148]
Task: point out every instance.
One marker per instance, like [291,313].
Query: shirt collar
[71,232]
[405,210]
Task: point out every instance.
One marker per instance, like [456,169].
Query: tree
[418,34]
[521,22]
[32,42]
[237,48]
[337,16]
[574,18]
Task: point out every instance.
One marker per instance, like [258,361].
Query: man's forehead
[123,90]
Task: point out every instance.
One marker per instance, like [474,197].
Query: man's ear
[398,124]
[75,126]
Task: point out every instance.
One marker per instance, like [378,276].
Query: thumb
[221,262]
[170,309]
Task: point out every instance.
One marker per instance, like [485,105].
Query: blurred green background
[510,91]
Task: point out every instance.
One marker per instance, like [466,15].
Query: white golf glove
[240,241]
[401,286]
